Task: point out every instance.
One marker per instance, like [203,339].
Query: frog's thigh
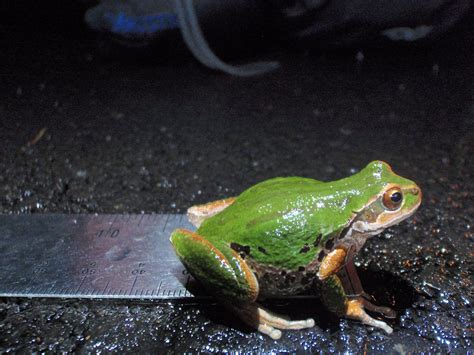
[197,214]
[336,300]
[222,271]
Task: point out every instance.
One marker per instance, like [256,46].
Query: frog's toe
[385,311]
[276,321]
[268,322]
[273,333]
[355,310]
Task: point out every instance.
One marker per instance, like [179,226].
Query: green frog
[285,235]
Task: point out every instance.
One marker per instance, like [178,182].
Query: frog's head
[390,199]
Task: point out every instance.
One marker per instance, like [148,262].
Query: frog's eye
[392,198]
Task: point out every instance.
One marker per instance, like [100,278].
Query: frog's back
[257,200]
[278,187]
[273,221]
[266,199]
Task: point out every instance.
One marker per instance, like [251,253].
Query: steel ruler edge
[93,256]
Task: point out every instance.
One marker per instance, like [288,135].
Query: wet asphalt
[84,130]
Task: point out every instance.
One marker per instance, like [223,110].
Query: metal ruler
[92,256]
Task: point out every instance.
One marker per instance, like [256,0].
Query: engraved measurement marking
[105,288]
[82,282]
[90,269]
[166,223]
[140,270]
[134,282]
[111,232]
[70,271]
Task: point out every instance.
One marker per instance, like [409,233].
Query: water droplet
[81,173]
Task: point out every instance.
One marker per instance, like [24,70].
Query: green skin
[283,227]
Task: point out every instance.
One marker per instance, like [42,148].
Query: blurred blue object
[207,25]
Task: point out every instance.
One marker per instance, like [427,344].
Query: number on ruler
[89,269]
[111,233]
[140,270]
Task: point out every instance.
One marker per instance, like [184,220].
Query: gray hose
[197,44]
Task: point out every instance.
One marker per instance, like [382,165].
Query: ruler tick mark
[134,282]
[82,282]
[105,288]
[166,223]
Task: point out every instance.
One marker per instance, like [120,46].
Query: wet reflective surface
[148,134]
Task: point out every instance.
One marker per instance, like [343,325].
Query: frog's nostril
[415,190]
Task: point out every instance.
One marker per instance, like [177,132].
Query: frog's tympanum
[285,235]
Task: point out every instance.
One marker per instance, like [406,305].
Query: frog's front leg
[227,276]
[347,298]
[353,288]
[336,300]
[341,261]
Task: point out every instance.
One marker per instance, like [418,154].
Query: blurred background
[135,107]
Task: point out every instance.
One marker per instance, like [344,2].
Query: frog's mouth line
[376,228]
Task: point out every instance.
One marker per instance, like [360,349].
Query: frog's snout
[419,194]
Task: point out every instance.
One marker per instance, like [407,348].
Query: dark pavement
[138,131]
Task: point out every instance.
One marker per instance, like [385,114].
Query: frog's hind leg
[218,268]
[199,213]
[267,322]
[226,275]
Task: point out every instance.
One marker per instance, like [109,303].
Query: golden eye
[392,198]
